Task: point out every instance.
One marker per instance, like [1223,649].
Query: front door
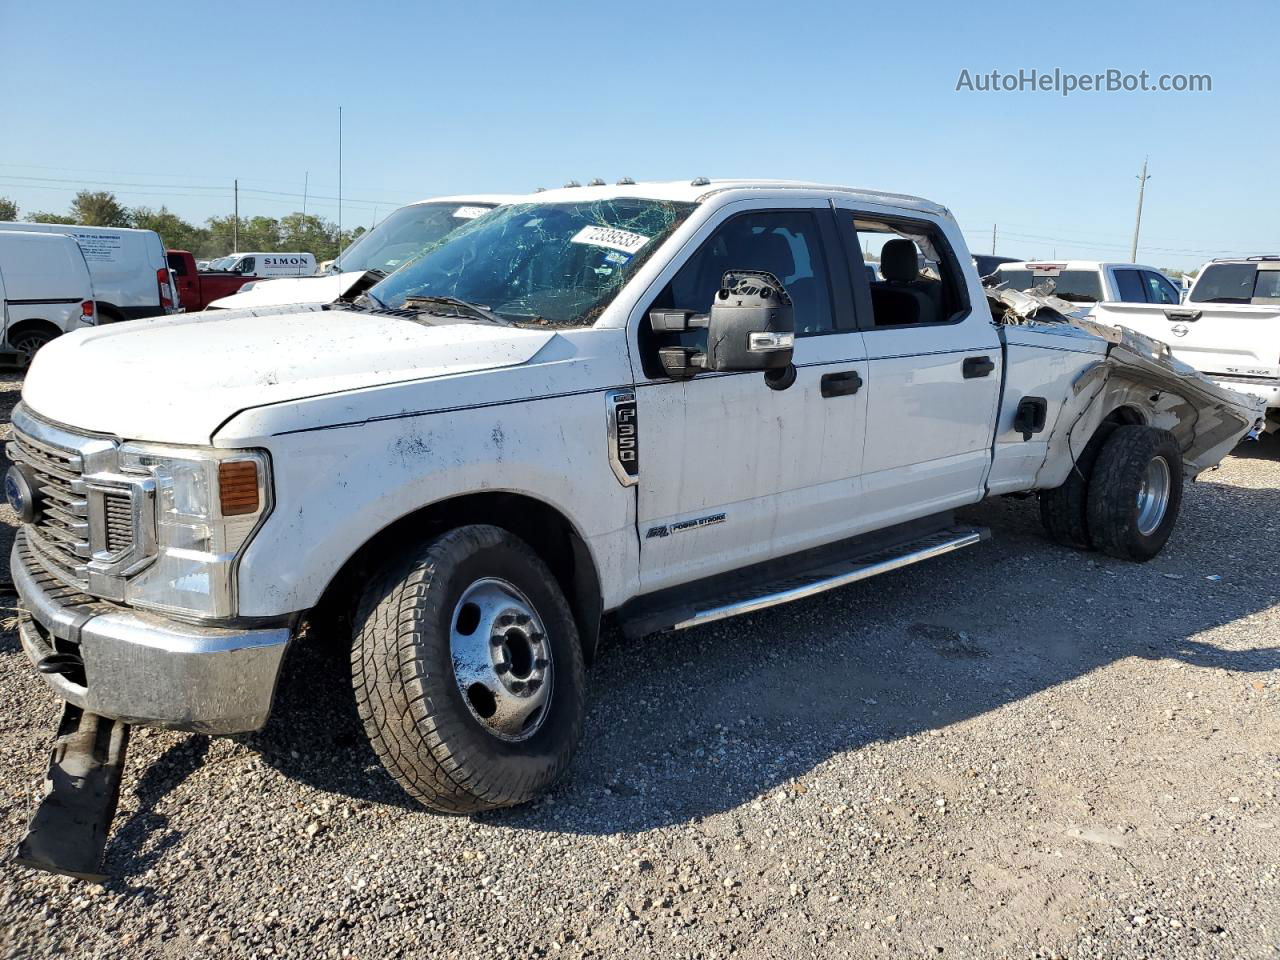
[735,471]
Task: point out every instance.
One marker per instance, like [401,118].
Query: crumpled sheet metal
[1139,371]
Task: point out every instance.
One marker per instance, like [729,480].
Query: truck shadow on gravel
[686,725]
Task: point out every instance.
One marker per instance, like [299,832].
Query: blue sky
[167,103]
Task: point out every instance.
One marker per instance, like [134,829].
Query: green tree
[8,209]
[98,208]
[41,217]
[175,233]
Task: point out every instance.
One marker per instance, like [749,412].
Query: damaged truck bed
[1135,371]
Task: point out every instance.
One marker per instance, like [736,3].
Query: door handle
[1182,316]
[841,384]
[977,367]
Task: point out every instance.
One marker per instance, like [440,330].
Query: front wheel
[468,672]
[1135,492]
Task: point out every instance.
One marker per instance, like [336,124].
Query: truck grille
[93,527]
[119,516]
[60,532]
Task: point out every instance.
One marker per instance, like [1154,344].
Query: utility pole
[993,239]
[339,176]
[235,225]
[1137,225]
[306,180]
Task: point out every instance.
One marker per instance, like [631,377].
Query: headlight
[208,503]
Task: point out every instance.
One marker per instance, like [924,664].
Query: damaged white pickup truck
[662,403]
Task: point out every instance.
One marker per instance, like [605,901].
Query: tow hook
[68,831]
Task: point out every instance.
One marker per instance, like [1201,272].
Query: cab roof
[700,189]
[497,199]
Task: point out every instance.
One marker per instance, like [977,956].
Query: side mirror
[751,326]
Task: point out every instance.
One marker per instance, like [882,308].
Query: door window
[1129,286]
[1159,289]
[917,281]
[785,243]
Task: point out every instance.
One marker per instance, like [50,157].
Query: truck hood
[177,379]
[291,290]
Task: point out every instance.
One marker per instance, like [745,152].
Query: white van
[267,265]
[129,268]
[47,291]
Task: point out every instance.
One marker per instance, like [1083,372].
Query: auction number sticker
[470,213]
[610,237]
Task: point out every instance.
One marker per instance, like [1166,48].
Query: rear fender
[1140,376]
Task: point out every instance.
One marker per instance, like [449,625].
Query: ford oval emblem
[20,493]
[1180,329]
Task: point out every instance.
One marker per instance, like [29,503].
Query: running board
[825,571]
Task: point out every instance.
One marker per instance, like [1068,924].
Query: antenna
[306,180]
[339,176]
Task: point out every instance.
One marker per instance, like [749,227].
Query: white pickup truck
[1086,282]
[663,403]
[1228,328]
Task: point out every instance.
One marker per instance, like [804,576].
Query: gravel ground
[1014,751]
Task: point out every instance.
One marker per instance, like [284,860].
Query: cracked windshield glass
[554,263]
[405,234]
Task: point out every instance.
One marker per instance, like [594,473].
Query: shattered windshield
[405,234]
[546,263]
[1078,286]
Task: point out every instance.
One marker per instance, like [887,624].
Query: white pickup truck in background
[1228,328]
[661,403]
[1087,282]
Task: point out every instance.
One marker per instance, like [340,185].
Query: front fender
[336,489]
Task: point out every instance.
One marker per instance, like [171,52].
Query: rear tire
[468,672]
[1135,492]
[1064,509]
[29,343]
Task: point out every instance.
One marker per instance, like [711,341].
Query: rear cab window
[1076,286]
[1238,283]
[178,264]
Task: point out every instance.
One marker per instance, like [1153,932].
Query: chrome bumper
[142,668]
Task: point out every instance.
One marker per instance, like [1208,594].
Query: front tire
[1135,492]
[468,672]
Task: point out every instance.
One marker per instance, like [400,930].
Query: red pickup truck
[197,290]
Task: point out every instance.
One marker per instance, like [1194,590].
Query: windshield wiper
[463,308]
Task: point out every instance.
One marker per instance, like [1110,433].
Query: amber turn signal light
[238,487]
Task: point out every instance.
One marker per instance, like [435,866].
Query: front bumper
[142,668]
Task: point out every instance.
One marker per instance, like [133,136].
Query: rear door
[934,366]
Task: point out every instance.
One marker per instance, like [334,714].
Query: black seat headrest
[898,262]
[762,251]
